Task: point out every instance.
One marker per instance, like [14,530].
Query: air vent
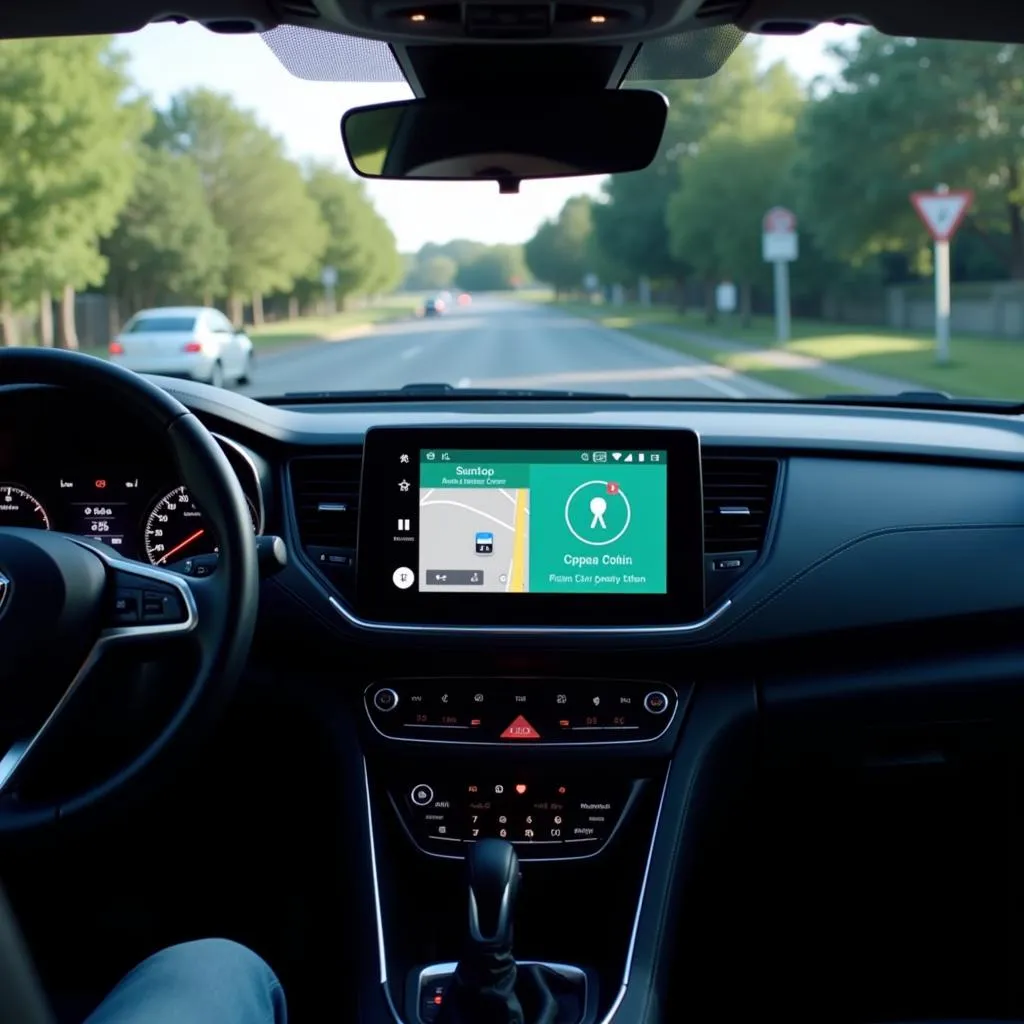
[325,490]
[738,496]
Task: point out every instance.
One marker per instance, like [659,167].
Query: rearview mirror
[506,139]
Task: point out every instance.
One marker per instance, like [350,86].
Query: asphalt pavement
[502,343]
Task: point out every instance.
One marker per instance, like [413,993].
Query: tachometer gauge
[177,529]
[19,508]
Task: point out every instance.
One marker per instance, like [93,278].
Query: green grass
[981,367]
[749,364]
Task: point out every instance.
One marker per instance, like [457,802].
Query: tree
[630,222]
[739,171]
[433,274]
[257,196]
[360,246]
[386,267]
[905,114]
[166,245]
[496,269]
[559,253]
[66,169]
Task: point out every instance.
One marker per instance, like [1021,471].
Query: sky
[167,59]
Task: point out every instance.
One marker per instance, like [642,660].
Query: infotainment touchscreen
[564,521]
[528,526]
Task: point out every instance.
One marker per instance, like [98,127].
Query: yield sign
[520,729]
[942,212]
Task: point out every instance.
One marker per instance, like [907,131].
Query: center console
[547,790]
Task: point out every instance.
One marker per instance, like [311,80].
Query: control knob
[385,699]
[656,702]
[421,795]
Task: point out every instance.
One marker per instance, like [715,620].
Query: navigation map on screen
[575,522]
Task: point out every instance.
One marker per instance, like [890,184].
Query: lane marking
[414,351]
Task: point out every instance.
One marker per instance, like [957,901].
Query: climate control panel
[521,712]
[545,816]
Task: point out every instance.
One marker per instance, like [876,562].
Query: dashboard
[810,520]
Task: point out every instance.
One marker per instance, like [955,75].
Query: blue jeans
[210,981]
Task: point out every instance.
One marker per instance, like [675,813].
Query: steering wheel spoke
[145,604]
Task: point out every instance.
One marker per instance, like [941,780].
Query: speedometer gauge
[176,528]
[19,508]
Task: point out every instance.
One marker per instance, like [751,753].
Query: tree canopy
[193,202]
[844,153]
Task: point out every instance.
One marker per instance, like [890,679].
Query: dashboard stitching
[745,614]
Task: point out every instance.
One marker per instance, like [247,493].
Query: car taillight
[193,346]
[116,348]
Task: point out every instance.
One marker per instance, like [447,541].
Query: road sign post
[780,247]
[942,211]
[329,279]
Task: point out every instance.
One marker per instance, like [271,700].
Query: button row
[558,711]
[155,607]
[525,813]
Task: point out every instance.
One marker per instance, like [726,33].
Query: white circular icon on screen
[403,578]
[598,506]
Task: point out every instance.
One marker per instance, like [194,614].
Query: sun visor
[318,56]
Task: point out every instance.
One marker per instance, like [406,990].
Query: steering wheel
[66,602]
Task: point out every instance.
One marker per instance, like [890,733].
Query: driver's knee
[202,982]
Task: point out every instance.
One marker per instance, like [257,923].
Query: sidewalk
[844,376]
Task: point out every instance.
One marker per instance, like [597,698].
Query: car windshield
[838,214]
[154,324]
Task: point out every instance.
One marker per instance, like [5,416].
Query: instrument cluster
[140,513]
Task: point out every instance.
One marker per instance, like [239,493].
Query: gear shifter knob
[493,888]
[483,988]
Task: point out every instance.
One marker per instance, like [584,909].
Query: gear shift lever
[488,987]
[483,990]
[493,888]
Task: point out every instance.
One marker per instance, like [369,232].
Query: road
[500,342]
[450,521]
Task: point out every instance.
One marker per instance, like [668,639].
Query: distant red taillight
[193,346]
[116,348]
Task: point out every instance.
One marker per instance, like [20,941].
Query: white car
[185,341]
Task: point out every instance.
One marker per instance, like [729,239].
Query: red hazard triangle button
[520,729]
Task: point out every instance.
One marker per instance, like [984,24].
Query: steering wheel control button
[160,606]
[126,607]
[421,795]
[656,702]
[385,699]
[403,577]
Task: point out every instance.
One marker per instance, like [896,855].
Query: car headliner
[454,48]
